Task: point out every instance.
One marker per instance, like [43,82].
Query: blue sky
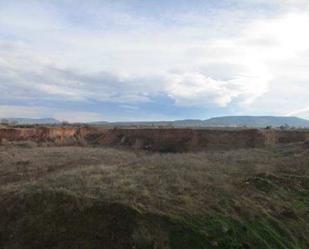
[153,60]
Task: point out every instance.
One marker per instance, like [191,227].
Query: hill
[228,121]
[256,121]
[30,121]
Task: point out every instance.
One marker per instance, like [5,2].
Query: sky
[125,60]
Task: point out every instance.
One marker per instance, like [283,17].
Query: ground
[93,197]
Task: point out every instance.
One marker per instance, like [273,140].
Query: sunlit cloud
[212,58]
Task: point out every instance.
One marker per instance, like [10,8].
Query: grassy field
[89,198]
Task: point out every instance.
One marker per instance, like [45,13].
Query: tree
[284,127]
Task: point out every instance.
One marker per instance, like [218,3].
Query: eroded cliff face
[58,136]
[181,140]
[161,140]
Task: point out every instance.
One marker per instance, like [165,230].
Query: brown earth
[162,140]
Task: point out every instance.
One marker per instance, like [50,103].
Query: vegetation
[73,197]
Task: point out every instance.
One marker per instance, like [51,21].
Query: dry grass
[244,186]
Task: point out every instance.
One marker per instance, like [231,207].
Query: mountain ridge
[222,121]
[29,121]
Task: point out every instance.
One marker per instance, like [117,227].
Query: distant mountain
[177,123]
[30,121]
[228,121]
[256,121]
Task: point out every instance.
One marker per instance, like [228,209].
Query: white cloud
[203,62]
[292,2]
[300,111]
[15,111]
[75,116]
[12,111]
[198,89]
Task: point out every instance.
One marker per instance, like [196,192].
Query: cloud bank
[62,57]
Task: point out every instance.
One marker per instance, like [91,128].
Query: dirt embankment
[55,135]
[162,140]
[292,136]
[181,140]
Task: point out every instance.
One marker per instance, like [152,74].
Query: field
[96,197]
